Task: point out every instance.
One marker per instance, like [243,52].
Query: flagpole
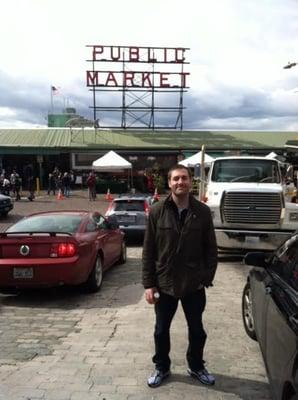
[51,94]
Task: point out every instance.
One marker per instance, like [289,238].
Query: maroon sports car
[60,248]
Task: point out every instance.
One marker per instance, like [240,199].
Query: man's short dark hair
[178,166]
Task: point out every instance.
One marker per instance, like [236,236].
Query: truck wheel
[247,315]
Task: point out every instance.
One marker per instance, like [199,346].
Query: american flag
[55,90]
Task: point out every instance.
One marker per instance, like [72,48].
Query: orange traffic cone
[156,196]
[108,196]
[60,195]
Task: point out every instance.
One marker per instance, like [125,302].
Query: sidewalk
[68,345]
[96,347]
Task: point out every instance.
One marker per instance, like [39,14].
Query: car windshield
[246,170]
[129,205]
[47,223]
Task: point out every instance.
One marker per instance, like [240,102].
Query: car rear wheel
[95,278]
[123,255]
[247,315]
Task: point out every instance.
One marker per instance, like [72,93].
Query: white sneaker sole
[152,385]
[196,376]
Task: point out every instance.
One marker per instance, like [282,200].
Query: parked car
[131,212]
[6,204]
[60,248]
[270,314]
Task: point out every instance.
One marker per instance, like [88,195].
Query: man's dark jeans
[165,309]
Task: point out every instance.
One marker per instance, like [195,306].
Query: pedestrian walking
[59,184]
[17,187]
[66,184]
[31,187]
[179,262]
[91,183]
[5,185]
[51,184]
[14,175]
[72,179]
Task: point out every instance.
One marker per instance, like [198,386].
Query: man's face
[180,182]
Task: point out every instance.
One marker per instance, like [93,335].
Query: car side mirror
[257,259]
[112,222]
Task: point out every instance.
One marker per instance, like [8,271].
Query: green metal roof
[88,139]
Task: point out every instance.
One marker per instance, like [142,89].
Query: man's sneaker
[203,376]
[157,377]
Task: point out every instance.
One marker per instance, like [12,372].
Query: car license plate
[23,273]
[126,219]
[252,240]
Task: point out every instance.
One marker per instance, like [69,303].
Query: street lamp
[290,65]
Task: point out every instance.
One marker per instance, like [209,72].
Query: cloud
[217,106]
[237,53]
[241,108]
[22,100]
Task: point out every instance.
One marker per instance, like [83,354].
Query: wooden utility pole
[202,174]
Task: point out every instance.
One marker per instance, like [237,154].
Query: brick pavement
[63,344]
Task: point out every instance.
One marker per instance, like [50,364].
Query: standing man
[17,186]
[66,184]
[51,184]
[13,178]
[179,262]
[91,183]
[31,187]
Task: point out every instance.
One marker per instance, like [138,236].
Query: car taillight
[146,209]
[63,250]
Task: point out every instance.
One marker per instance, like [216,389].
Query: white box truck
[247,198]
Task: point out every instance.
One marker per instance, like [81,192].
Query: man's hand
[149,295]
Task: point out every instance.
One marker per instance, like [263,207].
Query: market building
[76,148]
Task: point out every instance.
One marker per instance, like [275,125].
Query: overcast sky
[237,53]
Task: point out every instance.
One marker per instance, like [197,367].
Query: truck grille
[251,208]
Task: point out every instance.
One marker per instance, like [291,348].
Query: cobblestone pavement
[63,344]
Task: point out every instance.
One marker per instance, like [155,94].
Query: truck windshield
[245,170]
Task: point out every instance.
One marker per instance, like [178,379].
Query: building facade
[41,150]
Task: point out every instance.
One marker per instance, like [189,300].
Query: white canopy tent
[271,155]
[196,159]
[110,162]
